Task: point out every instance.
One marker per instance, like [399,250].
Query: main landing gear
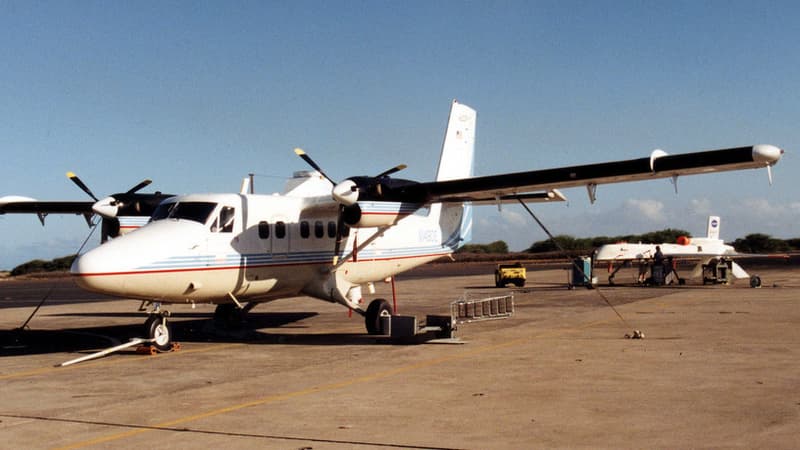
[377,309]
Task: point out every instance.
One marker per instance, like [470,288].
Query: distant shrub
[38,266]
[493,247]
[761,243]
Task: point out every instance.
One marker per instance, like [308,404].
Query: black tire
[497,280]
[377,308]
[160,331]
[755,281]
[520,283]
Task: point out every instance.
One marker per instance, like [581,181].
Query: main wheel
[377,308]
[158,329]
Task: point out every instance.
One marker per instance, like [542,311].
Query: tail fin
[458,148]
[456,161]
[713,227]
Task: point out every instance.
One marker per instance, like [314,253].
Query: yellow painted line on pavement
[165,426]
[108,361]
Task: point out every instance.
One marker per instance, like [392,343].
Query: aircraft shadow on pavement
[188,327]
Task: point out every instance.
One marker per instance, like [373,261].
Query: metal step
[474,310]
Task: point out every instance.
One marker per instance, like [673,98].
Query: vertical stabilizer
[458,147]
[713,227]
[455,162]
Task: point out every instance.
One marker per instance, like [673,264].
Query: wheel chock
[146,350]
[175,346]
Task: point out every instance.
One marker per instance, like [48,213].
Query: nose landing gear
[159,331]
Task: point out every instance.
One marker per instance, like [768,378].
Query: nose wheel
[159,331]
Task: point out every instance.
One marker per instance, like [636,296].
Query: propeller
[108,207]
[346,193]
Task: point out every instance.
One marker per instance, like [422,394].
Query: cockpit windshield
[162,211]
[196,211]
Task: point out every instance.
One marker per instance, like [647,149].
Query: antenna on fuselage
[247,185]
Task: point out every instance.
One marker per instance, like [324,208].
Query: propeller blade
[144,183]
[394,169]
[299,152]
[80,184]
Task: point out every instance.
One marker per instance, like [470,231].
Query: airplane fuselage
[699,247]
[254,248]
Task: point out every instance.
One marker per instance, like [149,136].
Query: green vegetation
[763,243]
[493,247]
[38,266]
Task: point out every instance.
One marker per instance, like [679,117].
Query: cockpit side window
[224,222]
[196,211]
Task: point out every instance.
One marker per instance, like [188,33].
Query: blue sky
[195,95]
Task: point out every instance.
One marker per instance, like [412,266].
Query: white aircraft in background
[328,239]
[703,249]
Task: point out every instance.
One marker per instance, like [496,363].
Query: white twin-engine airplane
[327,239]
[702,249]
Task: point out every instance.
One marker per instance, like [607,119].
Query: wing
[26,205]
[657,165]
[552,195]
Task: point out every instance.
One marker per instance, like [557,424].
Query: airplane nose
[91,271]
[80,267]
[769,154]
[83,264]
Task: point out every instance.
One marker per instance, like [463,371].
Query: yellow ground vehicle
[509,274]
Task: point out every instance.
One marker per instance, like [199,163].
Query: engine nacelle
[376,214]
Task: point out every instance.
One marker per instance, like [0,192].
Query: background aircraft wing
[658,165]
[24,205]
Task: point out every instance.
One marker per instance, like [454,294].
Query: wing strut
[360,247]
[561,249]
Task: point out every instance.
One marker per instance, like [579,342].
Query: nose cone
[138,264]
[106,207]
[768,154]
[91,270]
[345,193]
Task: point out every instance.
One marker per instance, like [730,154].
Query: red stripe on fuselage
[200,269]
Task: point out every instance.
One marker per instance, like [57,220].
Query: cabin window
[331,229]
[304,230]
[196,211]
[280,230]
[263,230]
[319,229]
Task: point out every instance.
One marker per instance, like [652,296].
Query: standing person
[657,271]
